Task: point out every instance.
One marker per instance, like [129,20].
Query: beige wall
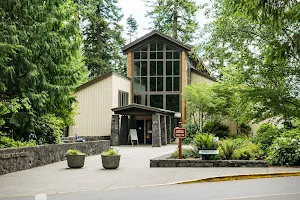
[119,83]
[197,78]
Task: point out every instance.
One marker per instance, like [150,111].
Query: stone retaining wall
[166,161]
[17,159]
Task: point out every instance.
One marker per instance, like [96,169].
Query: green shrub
[186,153]
[249,151]
[216,128]
[6,142]
[110,152]
[74,152]
[294,133]
[205,141]
[265,135]
[245,129]
[226,149]
[239,149]
[191,130]
[285,151]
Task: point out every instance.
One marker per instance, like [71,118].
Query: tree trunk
[175,21]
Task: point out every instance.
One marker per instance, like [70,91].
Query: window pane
[160,84]
[176,84]
[156,101]
[160,68]
[144,48]
[137,70]
[172,102]
[160,55]
[169,55]
[152,55]
[176,68]
[168,48]
[169,67]
[144,84]
[169,84]
[152,68]
[160,46]
[136,84]
[176,55]
[144,68]
[136,55]
[153,46]
[144,55]
[140,99]
[152,84]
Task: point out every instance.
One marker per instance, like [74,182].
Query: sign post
[179,133]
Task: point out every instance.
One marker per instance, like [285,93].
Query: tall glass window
[156,76]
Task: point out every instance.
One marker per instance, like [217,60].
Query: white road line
[41,197]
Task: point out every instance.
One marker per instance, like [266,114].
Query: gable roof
[152,34]
[99,78]
[136,109]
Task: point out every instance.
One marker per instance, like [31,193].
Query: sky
[138,9]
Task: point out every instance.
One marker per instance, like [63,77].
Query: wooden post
[180,149]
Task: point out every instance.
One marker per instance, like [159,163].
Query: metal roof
[147,109]
[153,33]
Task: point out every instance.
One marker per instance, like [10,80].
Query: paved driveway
[134,171]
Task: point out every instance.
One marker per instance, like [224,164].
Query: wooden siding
[183,84]
[94,109]
[129,74]
[197,78]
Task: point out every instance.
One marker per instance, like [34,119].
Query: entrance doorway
[144,131]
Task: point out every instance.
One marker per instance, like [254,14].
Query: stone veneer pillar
[163,130]
[124,130]
[156,133]
[114,135]
[169,129]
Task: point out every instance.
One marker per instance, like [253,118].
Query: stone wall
[17,159]
[166,161]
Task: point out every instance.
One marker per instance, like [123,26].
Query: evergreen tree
[176,18]
[131,27]
[101,31]
[40,65]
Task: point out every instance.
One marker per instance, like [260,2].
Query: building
[149,99]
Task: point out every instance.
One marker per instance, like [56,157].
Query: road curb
[239,177]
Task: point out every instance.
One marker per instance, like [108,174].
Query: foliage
[102,35]
[294,133]
[254,45]
[265,135]
[6,142]
[131,26]
[239,149]
[217,128]
[40,63]
[226,149]
[110,152]
[186,153]
[191,130]
[74,152]
[176,18]
[203,103]
[284,151]
[205,141]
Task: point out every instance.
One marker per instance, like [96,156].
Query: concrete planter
[110,162]
[75,161]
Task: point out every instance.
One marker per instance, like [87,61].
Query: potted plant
[110,159]
[75,158]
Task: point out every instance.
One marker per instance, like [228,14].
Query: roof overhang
[137,109]
[203,74]
[154,34]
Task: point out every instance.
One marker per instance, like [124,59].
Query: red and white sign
[179,132]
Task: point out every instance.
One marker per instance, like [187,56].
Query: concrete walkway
[134,171]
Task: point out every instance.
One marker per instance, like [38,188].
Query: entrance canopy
[137,109]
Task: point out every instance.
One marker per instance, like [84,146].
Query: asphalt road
[256,189]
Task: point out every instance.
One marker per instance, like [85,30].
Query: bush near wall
[285,150]
[6,142]
[217,128]
[191,130]
[265,135]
